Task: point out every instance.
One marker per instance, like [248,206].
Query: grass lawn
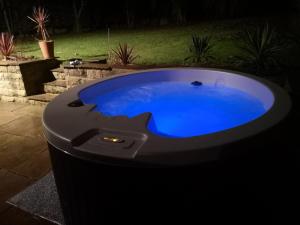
[167,45]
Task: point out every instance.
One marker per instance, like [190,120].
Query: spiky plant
[261,49]
[124,54]
[40,18]
[6,44]
[200,49]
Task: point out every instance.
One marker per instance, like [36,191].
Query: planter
[47,48]
[24,78]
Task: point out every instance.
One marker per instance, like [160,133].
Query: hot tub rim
[278,111]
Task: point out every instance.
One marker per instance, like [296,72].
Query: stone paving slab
[11,184]
[23,158]
[27,125]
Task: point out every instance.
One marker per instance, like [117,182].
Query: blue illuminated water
[180,109]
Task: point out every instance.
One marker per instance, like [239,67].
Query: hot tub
[146,134]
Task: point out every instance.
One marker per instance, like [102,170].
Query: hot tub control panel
[114,140]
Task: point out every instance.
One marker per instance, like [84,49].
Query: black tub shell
[143,174]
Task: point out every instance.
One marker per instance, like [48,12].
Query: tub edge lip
[278,111]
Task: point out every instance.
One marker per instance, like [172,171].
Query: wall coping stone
[93,66]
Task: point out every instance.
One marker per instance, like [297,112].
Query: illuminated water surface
[180,109]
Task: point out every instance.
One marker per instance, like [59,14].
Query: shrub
[6,44]
[123,54]
[200,49]
[40,17]
[260,50]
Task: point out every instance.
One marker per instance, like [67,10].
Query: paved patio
[23,157]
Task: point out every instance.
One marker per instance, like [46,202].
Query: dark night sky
[137,13]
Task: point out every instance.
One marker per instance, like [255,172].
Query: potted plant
[40,17]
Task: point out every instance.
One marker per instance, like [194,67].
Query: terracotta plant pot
[47,48]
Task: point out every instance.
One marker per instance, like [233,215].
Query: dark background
[136,13]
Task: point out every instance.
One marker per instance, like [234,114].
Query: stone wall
[75,75]
[26,81]
[20,79]
[11,80]
[84,73]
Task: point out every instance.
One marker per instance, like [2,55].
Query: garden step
[55,87]
[41,98]
[59,73]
